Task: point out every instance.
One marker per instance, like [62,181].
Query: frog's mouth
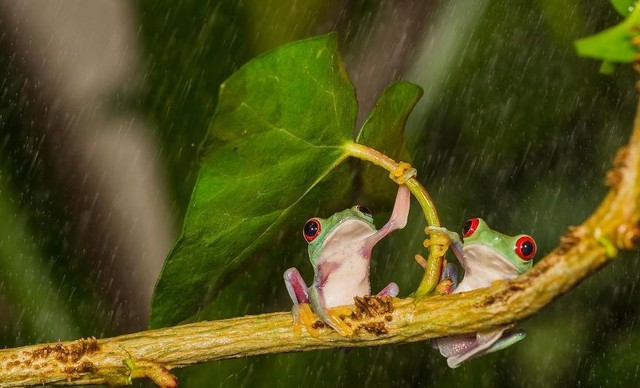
[349,234]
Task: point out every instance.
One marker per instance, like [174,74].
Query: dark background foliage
[103,106]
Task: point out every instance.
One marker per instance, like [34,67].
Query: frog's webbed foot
[448,280]
[304,316]
[333,317]
[458,349]
[402,173]
[445,287]
[439,239]
[438,242]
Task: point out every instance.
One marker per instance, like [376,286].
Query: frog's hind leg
[458,349]
[448,280]
[462,348]
[303,316]
[508,338]
[332,316]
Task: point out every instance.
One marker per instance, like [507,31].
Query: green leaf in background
[624,7]
[383,130]
[279,129]
[387,118]
[613,44]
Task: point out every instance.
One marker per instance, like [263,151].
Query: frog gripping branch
[486,256]
[340,252]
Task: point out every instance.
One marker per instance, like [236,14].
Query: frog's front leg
[443,236]
[299,294]
[398,219]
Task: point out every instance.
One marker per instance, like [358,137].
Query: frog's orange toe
[304,316]
[444,287]
[421,260]
[402,173]
[334,316]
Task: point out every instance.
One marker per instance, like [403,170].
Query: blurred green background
[100,127]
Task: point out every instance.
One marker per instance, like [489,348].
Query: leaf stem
[378,158]
[436,253]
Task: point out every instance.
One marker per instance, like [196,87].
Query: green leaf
[383,130]
[613,44]
[387,118]
[278,131]
[624,7]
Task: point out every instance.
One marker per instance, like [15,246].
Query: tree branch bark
[582,250]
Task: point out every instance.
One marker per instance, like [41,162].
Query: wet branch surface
[582,250]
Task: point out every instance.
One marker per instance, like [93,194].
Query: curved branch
[582,251]
[432,270]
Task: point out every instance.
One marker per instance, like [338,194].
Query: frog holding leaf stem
[340,253]
[486,256]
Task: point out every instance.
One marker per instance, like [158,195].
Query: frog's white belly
[350,276]
[350,279]
[483,266]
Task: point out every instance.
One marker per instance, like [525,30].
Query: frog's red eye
[525,248]
[470,226]
[311,230]
[364,210]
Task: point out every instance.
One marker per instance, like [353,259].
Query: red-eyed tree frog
[340,252]
[486,256]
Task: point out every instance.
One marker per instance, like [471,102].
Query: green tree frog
[486,256]
[340,252]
